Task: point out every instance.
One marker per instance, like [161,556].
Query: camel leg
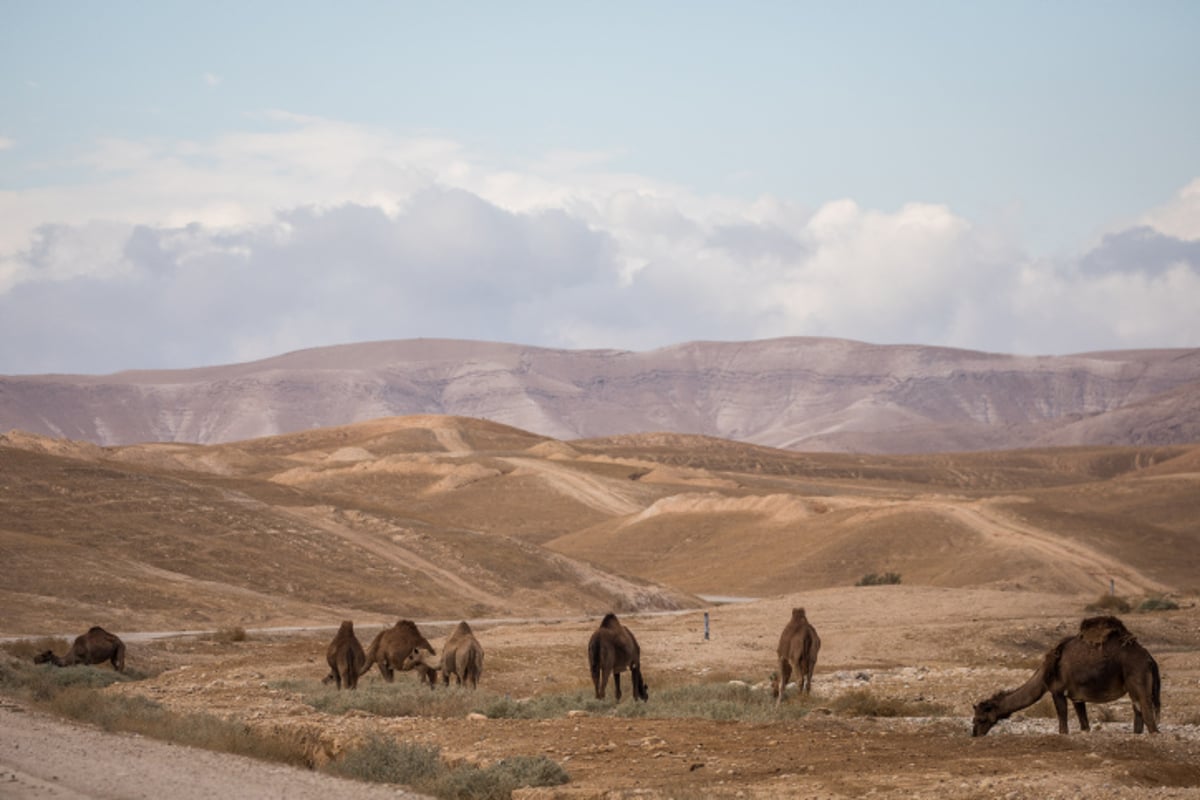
[1081,712]
[1060,708]
[617,685]
[785,675]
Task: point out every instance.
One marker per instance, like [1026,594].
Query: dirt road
[50,759]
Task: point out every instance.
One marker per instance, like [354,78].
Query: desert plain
[997,554]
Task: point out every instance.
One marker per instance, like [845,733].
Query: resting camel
[346,657]
[94,647]
[1098,665]
[798,648]
[392,646]
[462,657]
[611,650]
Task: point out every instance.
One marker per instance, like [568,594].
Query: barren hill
[443,518]
[799,393]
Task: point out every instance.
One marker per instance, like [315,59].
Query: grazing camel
[611,650]
[462,657]
[1098,665]
[392,646]
[346,657]
[797,650]
[94,647]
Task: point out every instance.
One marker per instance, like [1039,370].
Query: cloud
[211,80]
[1141,250]
[312,232]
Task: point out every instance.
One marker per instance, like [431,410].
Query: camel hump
[799,613]
[610,621]
[1098,630]
[96,629]
[347,626]
[463,628]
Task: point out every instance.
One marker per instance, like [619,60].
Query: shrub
[1110,602]
[228,635]
[871,579]
[865,703]
[1158,604]
[380,759]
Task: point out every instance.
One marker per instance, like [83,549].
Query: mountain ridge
[798,393]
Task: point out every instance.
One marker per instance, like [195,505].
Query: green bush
[871,579]
[1111,603]
[1158,604]
[384,760]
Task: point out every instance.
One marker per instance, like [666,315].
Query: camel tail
[594,657]
[1155,689]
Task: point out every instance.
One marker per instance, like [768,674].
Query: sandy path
[1000,527]
[49,759]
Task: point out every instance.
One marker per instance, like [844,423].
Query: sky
[186,184]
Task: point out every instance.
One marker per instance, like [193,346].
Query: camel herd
[1101,663]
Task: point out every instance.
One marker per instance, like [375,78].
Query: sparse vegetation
[883,579]
[1157,604]
[1110,603]
[235,633]
[865,703]
[76,692]
[381,759]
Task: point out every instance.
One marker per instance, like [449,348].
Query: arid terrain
[800,393]
[532,539]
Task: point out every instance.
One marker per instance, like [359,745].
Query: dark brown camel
[797,650]
[94,647]
[611,650]
[462,657]
[392,646]
[1100,664]
[346,657]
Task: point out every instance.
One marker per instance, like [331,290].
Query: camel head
[640,690]
[47,657]
[987,714]
[419,656]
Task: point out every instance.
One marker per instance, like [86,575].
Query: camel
[1101,663]
[612,649]
[94,647]
[462,657]
[392,646]
[798,648]
[427,670]
[346,657]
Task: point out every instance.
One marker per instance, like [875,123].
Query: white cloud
[1180,217]
[170,253]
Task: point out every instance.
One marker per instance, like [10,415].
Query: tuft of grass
[235,633]
[380,759]
[1158,604]
[1110,602]
[865,703]
[884,579]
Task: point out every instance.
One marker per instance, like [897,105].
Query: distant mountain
[797,393]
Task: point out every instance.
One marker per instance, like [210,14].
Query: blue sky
[185,184]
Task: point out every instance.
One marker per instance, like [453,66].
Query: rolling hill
[442,517]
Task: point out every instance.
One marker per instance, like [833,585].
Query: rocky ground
[929,652]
